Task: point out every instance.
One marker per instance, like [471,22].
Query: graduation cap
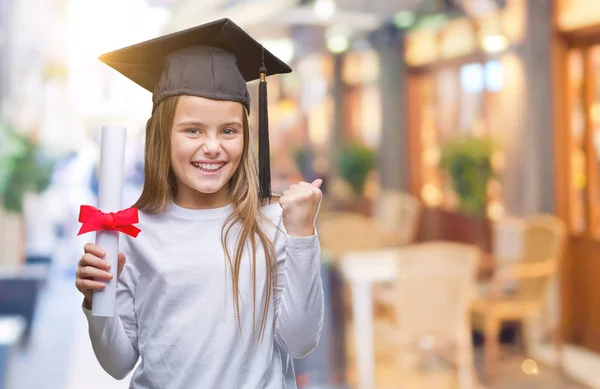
[214,61]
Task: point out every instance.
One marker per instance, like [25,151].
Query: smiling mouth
[208,167]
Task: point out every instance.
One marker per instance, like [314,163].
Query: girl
[221,289]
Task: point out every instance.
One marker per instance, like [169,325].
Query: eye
[192,131]
[229,131]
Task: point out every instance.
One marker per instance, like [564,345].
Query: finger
[94,261]
[91,248]
[309,189]
[84,284]
[305,185]
[89,272]
[318,182]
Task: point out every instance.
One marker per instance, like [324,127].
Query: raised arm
[299,292]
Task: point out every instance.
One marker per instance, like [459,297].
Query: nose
[212,146]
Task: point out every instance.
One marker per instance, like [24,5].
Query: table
[361,270]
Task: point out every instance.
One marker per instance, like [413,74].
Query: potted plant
[24,169]
[355,162]
[468,163]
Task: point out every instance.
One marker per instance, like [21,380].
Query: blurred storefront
[577,129]
[466,78]
[525,74]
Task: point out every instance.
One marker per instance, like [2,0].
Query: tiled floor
[510,377]
[440,375]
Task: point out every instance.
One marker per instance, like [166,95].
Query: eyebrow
[203,125]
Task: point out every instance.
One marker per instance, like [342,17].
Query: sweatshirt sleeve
[299,293]
[114,339]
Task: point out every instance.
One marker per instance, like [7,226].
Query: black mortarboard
[214,60]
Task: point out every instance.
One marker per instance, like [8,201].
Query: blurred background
[459,142]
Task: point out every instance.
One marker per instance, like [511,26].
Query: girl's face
[207,142]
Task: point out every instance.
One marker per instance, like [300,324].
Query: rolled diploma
[110,193]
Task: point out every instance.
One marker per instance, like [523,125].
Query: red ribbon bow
[93,220]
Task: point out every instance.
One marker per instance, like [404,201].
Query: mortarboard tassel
[264,161]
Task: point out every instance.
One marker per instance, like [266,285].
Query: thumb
[318,182]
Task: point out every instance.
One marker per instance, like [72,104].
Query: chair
[395,223]
[507,245]
[398,213]
[342,232]
[507,235]
[433,293]
[544,238]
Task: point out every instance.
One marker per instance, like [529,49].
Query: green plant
[11,147]
[468,163]
[355,162]
[23,168]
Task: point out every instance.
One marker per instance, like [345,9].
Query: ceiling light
[495,43]
[324,9]
[337,43]
[281,48]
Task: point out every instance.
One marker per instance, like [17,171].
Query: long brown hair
[160,187]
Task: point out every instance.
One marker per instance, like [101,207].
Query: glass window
[471,78]
[471,104]
[494,76]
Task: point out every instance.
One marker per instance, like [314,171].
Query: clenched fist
[300,204]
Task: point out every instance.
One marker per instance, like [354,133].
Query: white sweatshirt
[175,307]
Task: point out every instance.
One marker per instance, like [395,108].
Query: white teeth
[207,166]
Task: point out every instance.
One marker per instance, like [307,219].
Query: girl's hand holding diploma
[93,271]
